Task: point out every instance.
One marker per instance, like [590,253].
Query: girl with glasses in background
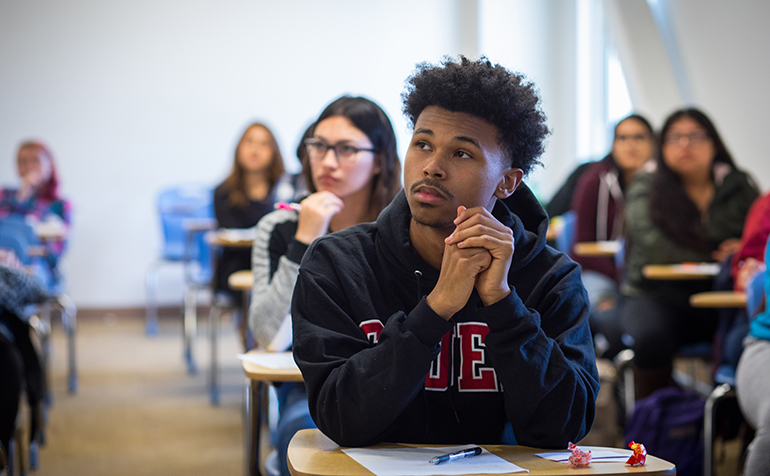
[599,202]
[691,209]
[352,171]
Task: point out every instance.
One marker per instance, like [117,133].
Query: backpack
[670,425]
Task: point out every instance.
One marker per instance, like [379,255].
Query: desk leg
[254,403]
[245,320]
[214,315]
[190,328]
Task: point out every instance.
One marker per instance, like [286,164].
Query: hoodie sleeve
[545,361]
[357,390]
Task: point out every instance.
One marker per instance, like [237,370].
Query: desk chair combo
[182,209]
[255,408]
[21,238]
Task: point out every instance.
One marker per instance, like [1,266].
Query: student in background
[748,260]
[753,386]
[691,209]
[255,182]
[37,198]
[352,169]
[600,206]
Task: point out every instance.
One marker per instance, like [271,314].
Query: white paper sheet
[414,462]
[277,360]
[598,455]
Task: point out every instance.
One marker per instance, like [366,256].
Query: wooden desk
[678,272]
[231,238]
[717,299]
[598,249]
[256,386]
[311,453]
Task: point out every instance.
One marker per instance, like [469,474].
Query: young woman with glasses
[599,202]
[352,171]
[691,209]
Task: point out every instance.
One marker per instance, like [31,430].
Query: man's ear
[508,184]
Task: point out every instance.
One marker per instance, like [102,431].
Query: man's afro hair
[490,92]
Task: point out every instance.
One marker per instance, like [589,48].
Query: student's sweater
[380,365]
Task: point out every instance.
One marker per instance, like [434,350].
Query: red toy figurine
[579,458]
[640,454]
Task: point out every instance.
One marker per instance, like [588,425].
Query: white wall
[722,46]
[135,95]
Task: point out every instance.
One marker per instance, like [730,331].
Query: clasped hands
[477,254]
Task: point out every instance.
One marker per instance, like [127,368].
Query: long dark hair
[235,182]
[370,119]
[671,209]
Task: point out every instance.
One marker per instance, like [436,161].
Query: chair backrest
[566,237]
[199,251]
[16,244]
[18,226]
[176,205]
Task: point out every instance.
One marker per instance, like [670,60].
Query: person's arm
[273,285]
[356,389]
[545,362]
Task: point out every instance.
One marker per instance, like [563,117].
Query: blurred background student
[352,170]
[37,199]
[255,183]
[690,209]
[753,386]
[599,201]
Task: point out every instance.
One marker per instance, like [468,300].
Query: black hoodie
[380,365]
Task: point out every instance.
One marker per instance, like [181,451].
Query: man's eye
[421,145]
[463,155]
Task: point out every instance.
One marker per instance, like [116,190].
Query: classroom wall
[135,96]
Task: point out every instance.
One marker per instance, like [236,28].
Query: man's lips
[428,194]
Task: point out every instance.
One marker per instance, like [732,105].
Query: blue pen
[455,456]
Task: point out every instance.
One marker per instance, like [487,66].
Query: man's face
[453,159]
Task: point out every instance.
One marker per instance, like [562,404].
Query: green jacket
[647,244]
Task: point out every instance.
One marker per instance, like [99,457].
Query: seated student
[37,199]
[748,260]
[352,168]
[561,202]
[599,204]
[21,371]
[691,209]
[256,181]
[448,320]
[753,386]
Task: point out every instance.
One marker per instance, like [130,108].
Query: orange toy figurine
[640,454]
[579,458]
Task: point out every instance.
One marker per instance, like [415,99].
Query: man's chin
[424,219]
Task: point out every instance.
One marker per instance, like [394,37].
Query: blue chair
[566,237]
[175,206]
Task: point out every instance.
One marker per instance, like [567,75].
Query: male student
[448,320]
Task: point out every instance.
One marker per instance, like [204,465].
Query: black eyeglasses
[694,138]
[345,153]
